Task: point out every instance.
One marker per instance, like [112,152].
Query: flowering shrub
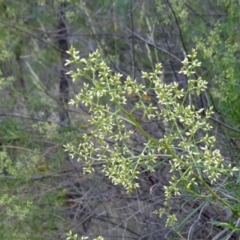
[195,161]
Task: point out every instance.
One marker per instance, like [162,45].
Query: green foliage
[12,208]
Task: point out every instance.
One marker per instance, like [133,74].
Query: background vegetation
[44,192]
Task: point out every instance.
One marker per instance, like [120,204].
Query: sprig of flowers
[194,156]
